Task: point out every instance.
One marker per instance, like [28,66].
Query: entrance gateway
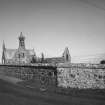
[47,78]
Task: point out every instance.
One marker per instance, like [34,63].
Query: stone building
[26,56]
[19,55]
[65,58]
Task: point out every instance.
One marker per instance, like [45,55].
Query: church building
[65,58]
[19,55]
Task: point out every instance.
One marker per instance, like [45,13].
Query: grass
[15,94]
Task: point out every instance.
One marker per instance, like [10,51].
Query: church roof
[21,35]
[9,53]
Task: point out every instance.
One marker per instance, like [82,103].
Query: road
[13,94]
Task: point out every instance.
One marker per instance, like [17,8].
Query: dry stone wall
[81,76]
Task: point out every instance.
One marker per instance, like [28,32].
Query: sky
[51,25]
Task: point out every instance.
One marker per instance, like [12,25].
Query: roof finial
[21,34]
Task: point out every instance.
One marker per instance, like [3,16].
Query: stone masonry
[81,76]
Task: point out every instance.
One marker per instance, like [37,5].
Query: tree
[33,59]
[42,58]
[102,62]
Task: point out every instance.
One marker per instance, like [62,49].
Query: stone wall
[38,76]
[81,76]
[64,75]
[21,72]
[28,72]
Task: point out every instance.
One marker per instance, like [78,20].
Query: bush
[102,62]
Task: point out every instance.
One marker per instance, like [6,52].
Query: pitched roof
[21,35]
[10,53]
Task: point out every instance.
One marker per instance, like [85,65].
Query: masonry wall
[68,75]
[27,72]
[21,72]
[81,76]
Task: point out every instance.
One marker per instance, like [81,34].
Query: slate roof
[10,53]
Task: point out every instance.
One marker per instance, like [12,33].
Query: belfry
[21,41]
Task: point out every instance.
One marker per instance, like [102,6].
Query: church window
[67,57]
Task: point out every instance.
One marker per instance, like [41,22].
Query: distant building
[65,58]
[26,56]
[20,55]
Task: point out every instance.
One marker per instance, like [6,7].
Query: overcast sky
[51,25]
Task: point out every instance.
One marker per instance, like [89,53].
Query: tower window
[67,57]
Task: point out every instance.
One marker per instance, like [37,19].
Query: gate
[46,78]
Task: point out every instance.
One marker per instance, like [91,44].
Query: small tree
[33,60]
[42,58]
[102,62]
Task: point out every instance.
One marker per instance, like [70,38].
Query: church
[21,55]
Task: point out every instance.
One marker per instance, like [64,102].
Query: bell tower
[21,41]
